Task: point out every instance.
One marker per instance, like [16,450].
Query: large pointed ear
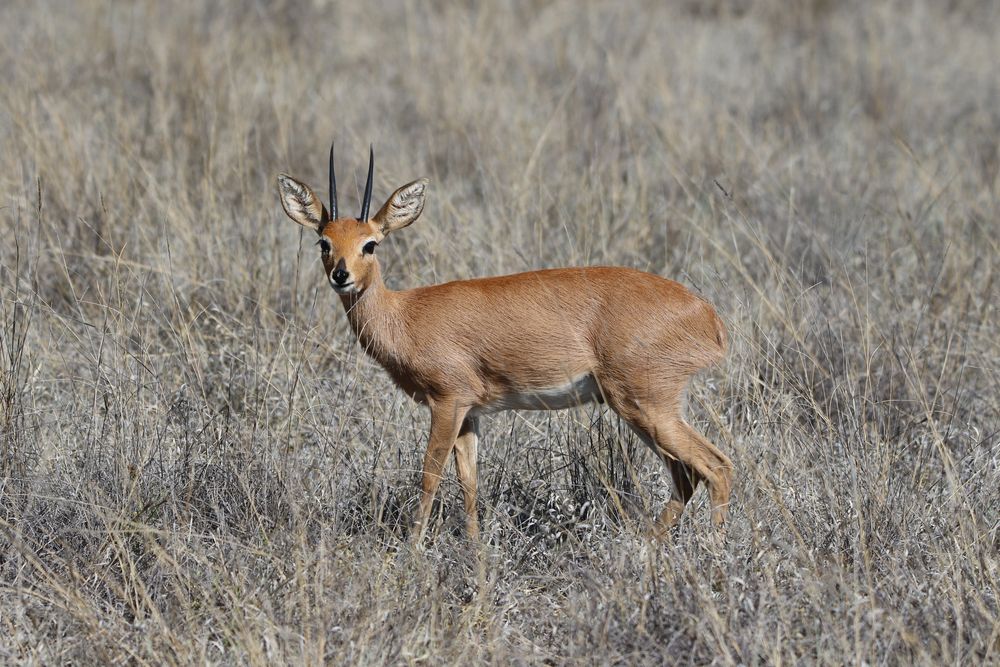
[402,208]
[301,203]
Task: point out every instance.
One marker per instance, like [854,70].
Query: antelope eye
[324,246]
[369,248]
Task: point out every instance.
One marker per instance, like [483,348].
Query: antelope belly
[577,392]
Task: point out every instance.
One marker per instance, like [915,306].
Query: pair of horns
[366,202]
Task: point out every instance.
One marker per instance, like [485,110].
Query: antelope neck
[373,317]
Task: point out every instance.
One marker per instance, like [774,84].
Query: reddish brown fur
[463,345]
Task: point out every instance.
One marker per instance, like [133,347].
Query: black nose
[340,276]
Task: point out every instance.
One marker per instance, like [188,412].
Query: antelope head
[347,245]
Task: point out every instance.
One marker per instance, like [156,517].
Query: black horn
[368,186]
[333,187]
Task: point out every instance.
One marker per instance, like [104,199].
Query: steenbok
[542,340]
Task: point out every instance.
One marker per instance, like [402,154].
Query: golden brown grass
[198,465]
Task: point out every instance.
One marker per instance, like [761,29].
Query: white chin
[344,289]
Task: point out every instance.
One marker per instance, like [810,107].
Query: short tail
[712,337]
[721,337]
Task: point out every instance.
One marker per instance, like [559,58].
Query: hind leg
[705,460]
[688,454]
[685,482]
[465,466]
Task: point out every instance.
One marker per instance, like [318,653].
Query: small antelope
[541,340]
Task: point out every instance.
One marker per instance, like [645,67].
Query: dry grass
[197,464]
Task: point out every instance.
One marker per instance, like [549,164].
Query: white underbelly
[577,392]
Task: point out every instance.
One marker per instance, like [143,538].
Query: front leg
[446,418]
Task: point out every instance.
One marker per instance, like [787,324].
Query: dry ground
[198,466]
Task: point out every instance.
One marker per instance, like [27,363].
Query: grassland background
[198,465]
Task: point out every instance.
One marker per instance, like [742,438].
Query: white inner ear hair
[407,201]
[298,194]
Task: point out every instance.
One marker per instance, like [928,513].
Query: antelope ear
[402,208]
[301,203]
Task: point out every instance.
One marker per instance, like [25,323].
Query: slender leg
[446,418]
[685,479]
[689,455]
[685,482]
[708,463]
[465,465]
